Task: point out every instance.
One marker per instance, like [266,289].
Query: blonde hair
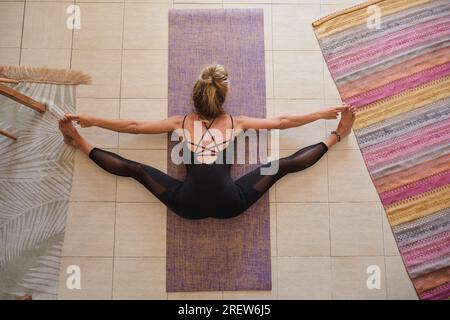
[210,91]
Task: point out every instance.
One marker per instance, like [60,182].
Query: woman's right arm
[129,126]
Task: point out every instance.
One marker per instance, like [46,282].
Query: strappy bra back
[213,150]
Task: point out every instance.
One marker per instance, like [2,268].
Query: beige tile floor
[327,222]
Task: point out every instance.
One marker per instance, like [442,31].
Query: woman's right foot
[70,134]
[345,124]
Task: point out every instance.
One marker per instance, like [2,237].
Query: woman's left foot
[345,124]
[71,135]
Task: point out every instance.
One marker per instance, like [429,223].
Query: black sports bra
[214,150]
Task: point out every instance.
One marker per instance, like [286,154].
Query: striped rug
[397,77]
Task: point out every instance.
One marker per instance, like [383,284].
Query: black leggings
[253,183]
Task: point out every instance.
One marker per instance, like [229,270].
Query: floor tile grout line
[70,67]
[9,47]
[324,66]
[277,202]
[72,42]
[153,49]
[272,94]
[283,256]
[118,141]
[165,242]
[384,250]
[23,28]
[328,177]
[165,98]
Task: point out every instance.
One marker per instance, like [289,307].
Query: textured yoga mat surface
[212,254]
[398,79]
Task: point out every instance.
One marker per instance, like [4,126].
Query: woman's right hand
[82,119]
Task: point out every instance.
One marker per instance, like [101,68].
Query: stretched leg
[254,184]
[156,181]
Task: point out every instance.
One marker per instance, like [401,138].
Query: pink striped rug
[397,77]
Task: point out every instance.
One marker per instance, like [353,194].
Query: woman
[208,189]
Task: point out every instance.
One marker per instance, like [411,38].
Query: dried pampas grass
[43,75]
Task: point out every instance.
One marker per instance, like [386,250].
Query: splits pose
[208,189]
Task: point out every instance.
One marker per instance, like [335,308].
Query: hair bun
[215,74]
[208,80]
[210,90]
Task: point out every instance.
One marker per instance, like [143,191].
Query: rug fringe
[44,75]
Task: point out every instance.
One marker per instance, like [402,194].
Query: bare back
[207,139]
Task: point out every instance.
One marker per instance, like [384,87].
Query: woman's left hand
[332,112]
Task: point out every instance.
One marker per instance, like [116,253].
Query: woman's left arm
[287,121]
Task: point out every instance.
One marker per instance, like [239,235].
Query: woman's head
[210,91]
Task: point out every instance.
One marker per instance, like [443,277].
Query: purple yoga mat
[213,254]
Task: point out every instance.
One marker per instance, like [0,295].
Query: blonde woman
[208,189]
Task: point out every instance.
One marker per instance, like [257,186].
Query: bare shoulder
[176,121]
[240,121]
[245,122]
